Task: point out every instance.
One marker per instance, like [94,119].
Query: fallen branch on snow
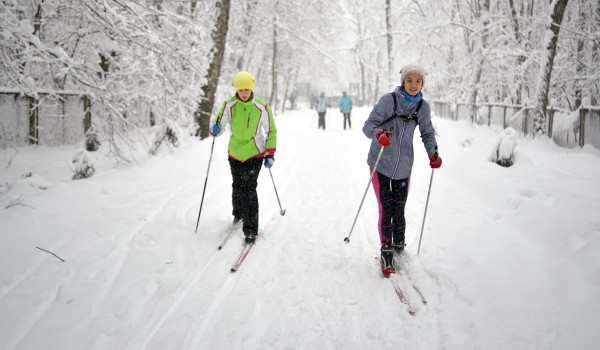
[51,253]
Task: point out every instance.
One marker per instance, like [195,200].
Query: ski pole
[425,214]
[205,181]
[281,210]
[347,239]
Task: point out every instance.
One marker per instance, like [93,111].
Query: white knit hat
[412,68]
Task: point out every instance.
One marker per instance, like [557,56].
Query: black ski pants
[244,196]
[391,197]
[322,120]
[347,119]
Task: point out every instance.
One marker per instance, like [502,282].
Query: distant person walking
[345,105]
[321,105]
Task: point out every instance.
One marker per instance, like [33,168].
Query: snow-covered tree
[207,99]
[557,10]
[148,62]
[129,59]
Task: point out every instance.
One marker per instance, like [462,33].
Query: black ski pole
[425,214]
[281,210]
[347,239]
[205,182]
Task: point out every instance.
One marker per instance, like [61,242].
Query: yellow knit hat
[243,80]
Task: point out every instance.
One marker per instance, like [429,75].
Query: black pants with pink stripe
[391,197]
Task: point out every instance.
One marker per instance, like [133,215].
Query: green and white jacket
[253,131]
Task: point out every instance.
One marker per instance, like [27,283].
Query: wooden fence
[566,128]
[64,118]
[47,119]
[53,119]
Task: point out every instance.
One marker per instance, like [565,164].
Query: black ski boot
[250,238]
[398,247]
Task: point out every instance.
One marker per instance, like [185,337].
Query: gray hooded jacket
[397,159]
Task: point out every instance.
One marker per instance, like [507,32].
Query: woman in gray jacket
[391,125]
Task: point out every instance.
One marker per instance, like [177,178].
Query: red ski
[243,254]
[402,297]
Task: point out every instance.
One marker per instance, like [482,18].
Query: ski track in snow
[136,275]
[181,295]
[267,303]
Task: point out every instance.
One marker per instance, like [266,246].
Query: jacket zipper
[248,120]
[399,147]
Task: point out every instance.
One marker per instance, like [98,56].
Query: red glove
[383,137]
[435,161]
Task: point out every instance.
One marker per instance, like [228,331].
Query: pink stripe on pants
[375,183]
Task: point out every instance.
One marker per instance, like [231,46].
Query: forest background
[106,69]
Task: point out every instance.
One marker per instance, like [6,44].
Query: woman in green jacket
[253,142]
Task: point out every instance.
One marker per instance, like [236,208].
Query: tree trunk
[376,88]
[193,4]
[241,41]
[34,121]
[290,80]
[585,48]
[474,90]
[272,99]
[363,84]
[157,4]
[87,114]
[37,21]
[479,56]
[545,75]
[207,98]
[390,40]
[519,37]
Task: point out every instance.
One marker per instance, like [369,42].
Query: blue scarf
[410,98]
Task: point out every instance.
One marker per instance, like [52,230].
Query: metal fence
[566,128]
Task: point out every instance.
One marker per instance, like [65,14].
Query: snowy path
[301,281]
[498,267]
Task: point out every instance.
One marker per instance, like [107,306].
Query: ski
[411,310]
[423,300]
[243,254]
[395,278]
[398,258]
[401,275]
[230,231]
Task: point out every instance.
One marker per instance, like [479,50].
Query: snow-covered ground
[510,257]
